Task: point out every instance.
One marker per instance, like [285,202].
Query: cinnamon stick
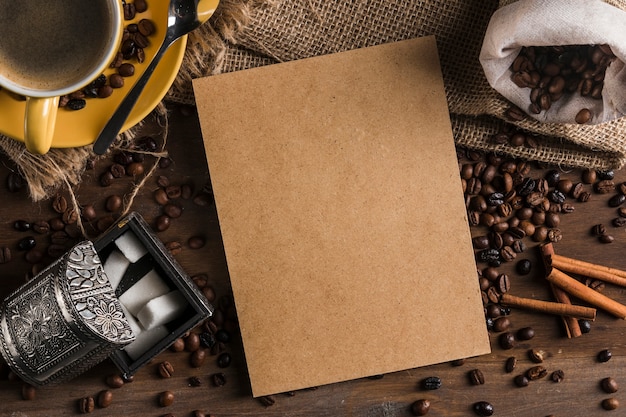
[572,328]
[588,269]
[581,291]
[550,307]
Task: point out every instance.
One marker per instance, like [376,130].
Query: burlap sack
[250,33]
[285,30]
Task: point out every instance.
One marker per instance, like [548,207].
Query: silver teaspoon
[182,19]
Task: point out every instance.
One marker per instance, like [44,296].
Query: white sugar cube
[148,287]
[115,266]
[145,340]
[132,322]
[162,309]
[130,246]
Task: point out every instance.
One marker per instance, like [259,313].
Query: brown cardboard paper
[342,215]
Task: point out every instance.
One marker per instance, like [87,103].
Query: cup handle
[39,121]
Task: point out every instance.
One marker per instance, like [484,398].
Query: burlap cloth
[245,34]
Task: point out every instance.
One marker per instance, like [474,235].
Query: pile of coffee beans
[552,72]
[134,39]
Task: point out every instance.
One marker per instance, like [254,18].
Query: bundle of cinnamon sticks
[563,286]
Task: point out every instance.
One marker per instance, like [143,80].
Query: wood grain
[578,394]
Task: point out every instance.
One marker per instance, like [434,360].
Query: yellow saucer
[81,127]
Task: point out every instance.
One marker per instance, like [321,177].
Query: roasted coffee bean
[196,242]
[116,81]
[420,407]
[174,247]
[86,405]
[525,333]
[126,70]
[203,199]
[481,242]
[194,381]
[523,267]
[26,243]
[537,355]
[503,283]
[129,11]
[521,381]
[114,381]
[160,196]
[166,398]
[218,379]
[604,355]
[192,342]
[165,369]
[69,216]
[28,392]
[609,385]
[493,295]
[106,179]
[510,364]
[595,284]
[606,239]
[617,200]
[501,324]
[604,186]
[458,362]
[583,116]
[135,169]
[186,191]
[76,104]
[146,27]
[431,383]
[105,398]
[207,339]
[585,326]
[476,377]
[162,223]
[56,224]
[507,254]
[507,340]
[490,256]
[556,196]
[610,404]
[113,203]
[557,376]
[173,191]
[178,345]
[589,176]
[483,408]
[198,358]
[598,230]
[59,204]
[536,372]
[618,222]
[224,360]
[117,170]
[22,225]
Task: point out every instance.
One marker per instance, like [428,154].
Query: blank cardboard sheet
[342,215]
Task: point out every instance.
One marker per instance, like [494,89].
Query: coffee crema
[50,45]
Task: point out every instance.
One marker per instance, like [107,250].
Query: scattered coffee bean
[224,359]
[476,377]
[521,381]
[86,405]
[510,364]
[606,239]
[135,169]
[173,210]
[160,196]
[267,400]
[126,69]
[113,203]
[22,225]
[198,358]
[525,333]
[59,204]
[166,398]
[174,247]
[501,324]
[483,408]
[609,385]
[537,355]
[507,340]
[523,267]
[194,381]
[218,379]
[41,226]
[114,381]
[604,355]
[26,243]
[105,398]
[536,372]
[162,223]
[610,404]
[557,376]
[192,342]
[420,407]
[165,369]
[117,170]
[196,242]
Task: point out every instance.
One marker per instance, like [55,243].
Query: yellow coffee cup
[49,49]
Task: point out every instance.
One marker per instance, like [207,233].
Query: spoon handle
[112,128]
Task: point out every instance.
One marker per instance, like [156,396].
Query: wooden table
[578,394]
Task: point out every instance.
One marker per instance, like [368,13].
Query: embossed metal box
[64,321]
[159,259]
[74,314]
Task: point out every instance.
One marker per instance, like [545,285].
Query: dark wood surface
[578,394]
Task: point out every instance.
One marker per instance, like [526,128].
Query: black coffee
[48,45]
